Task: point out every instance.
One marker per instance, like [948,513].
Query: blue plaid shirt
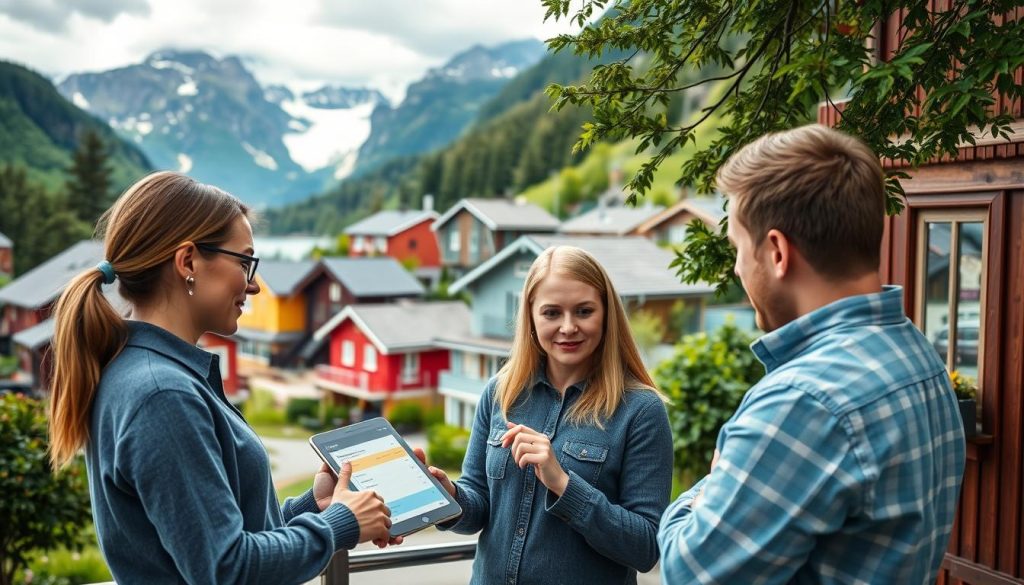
[842,465]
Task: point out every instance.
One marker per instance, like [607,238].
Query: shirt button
[583,452]
[522,532]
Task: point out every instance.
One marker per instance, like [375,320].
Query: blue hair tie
[108,272]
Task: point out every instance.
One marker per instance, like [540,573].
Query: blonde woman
[569,465]
[180,484]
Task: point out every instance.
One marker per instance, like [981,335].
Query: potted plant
[967,395]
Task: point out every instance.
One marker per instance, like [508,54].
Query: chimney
[428,202]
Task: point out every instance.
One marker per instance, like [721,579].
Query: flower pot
[969,415]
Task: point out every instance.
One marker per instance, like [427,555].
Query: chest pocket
[586,459]
[497,457]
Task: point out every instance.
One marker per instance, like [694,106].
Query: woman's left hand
[532,448]
[323,487]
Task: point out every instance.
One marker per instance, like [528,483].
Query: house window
[412,244]
[380,244]
[357,244]
[470,366]
[410,367]
[511,309]
[474,243]
[348,353]
[951,274]
[369,358]
[454,240]
[677,234]
[335,292]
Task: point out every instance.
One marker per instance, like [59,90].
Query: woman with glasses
[181,486]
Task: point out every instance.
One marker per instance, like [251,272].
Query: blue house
[638,269]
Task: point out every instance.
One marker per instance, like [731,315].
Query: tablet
[383,462]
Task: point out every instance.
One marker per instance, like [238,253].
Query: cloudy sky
[378,43]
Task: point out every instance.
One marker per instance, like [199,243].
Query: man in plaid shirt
[844,463]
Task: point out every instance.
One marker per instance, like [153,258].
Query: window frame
[955,217]
[369,358]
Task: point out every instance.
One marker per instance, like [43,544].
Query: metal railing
[345,563]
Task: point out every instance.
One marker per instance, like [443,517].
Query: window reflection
[936,301]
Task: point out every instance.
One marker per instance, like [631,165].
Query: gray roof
[374,277]
[636,265]
[389,223]
[5,242]
[612,220]
[502,214]
[40,334]
[36,336]
[284,276]
[406,324]
[41,285]
[712,205]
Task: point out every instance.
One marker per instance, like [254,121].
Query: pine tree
[88,185]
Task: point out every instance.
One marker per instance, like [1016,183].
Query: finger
[532,459]
[510,434]
[420,455]
[527,449]
[396,540]
[344,476]
[324,468]
[387,523]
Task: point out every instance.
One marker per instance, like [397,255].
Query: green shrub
[446,446]
[261,409]
[408,415]
[72,567]
[39,509]
[301,408]
[8,366]
[705,380]
[433,416]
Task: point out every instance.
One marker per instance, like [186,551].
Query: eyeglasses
[250,264]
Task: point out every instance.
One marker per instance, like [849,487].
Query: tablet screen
[381,464]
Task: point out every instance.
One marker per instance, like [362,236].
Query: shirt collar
[541,378]
[158,339]
[789,341]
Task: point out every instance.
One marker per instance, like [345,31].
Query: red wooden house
[958,251]
[6,256]
[27,302]
[226,349]
[382,353]
[404,235]
[339,282]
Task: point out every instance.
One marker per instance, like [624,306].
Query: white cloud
[52,15]
[383,44]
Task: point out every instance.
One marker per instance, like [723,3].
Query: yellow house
[273,323]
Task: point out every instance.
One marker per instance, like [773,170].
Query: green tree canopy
[89,179]
[778,60]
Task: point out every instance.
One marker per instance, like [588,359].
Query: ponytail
[87,336]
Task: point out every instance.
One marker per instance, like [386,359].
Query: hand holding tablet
[382,462]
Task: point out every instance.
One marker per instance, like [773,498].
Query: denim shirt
[603,528]
[180,484]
